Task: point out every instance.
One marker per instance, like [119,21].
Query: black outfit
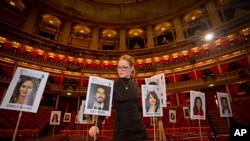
[156,109]
[128,124]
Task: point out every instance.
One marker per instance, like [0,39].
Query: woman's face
[124,69]
[198,103]
[26,88]
[151,100]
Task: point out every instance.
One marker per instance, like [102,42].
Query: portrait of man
[100,99]
[99,96]
[224,105]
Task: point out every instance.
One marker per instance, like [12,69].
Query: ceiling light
[209,37]
[12,3]
[50,21]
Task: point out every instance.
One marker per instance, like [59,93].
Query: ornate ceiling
[118,13]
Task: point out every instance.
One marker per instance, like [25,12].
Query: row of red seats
[21,135]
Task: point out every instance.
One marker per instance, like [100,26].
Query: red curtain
[8,70]
[139,82]
[110,66]
[153,63]
[191,54]
[215,70]
[85,82]
[92,65]
[201,51]
[33,54]
[81,80]
[7,46]
[243,62]
[162,61]
[198,73]
[75,62]
[182,98]
[63,60]
[224,67]
[45,57]
[56,59]
[177,78]
[143,64]
[21,50]
[234,89]
[102,65]
[210,100]
[172,99]
[191,75]
[212,47]
[171,60]
[84,64]
[58,79]
[225,43]
[171,79]
[181,57]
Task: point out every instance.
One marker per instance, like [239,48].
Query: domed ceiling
[118,13]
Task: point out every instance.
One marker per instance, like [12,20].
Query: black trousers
[130,135]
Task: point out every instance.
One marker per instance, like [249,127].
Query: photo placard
[172,116]
[151,104]
[159,79]
[224,105]
[67,117]
[99,96]
[25,90]
[55,117]
[197,105]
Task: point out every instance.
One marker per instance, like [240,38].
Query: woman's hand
[93,131]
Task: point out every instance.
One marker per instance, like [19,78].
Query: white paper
[152,107]
[29,83]
[95,85]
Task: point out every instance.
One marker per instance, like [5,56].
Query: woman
[197,109]
[25,91]
[128,124]
[153,102]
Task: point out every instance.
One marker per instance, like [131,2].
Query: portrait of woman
[152,102]
[197,109]
[25,91]
[55,118]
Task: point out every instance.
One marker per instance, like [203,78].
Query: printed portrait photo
[55,117]
[159,80]
[151,101]
[186,112]
[99,96]
[198,106]
[67,117]
[25,90]
[172,116]
[224,105]
[77,121]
